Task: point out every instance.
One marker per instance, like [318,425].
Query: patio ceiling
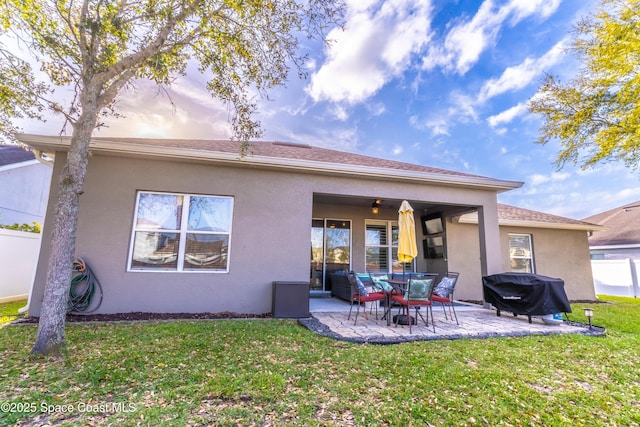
[394,204]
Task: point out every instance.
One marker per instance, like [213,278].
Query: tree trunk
[56,295]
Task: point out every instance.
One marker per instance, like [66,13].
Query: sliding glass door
[330,250]
[317,255]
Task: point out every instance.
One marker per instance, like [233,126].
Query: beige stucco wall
[558,253]
[271,234]
[264,246]
[463,249]
[270,240]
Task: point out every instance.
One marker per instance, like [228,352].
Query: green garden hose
[84,285]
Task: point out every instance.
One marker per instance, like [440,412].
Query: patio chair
[418,294]
[363,291]
[443,293]
[381,281]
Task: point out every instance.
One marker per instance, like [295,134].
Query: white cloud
[462,48]
[397,150]
[523,8]
[513,78]
[462,108]
[466,41]
[438,125]
[573,197]
[376,108]
[338,136]
[376,45]
[449,158]
[148,112]
[508,115]
[538,179]
[520,76]
[339,112]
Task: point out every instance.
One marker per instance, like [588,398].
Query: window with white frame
[181,232]
[381,247]
[521,253]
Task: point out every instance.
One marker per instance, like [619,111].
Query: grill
[525,293]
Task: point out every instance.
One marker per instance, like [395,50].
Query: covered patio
[329,318]
[350,233]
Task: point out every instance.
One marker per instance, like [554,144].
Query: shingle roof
[10,154]
[282,155]
[623,225]
[285,150]
[513,213]
[520,217]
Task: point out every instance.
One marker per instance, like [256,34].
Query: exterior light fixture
[589,313]
[375,207]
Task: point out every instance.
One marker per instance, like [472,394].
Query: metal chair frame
[448,300]
[362,299]
[417,303]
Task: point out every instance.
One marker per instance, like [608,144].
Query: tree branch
[148,51]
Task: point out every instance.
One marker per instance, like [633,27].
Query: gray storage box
[290,299]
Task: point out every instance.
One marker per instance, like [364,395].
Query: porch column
[490,254]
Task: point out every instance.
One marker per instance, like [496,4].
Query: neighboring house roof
[282,155]
[622,226]
[11,154]
[519,217]
[24,187]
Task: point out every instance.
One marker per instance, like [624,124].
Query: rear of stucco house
[264,213]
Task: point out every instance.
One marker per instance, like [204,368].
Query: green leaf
[595,116]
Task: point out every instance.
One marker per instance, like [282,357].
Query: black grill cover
[525,293]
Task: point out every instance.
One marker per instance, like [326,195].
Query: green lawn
[9,311]
[276,373]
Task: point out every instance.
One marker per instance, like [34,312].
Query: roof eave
[473,219]
[18,165]
[555,225]
[627,246]
[53,143]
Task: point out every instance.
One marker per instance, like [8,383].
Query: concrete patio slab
[329,318]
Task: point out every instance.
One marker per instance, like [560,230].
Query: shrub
[35,228]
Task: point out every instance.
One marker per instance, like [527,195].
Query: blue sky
[435,82]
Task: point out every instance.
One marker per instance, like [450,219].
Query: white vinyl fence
[618,277]
[18,258]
